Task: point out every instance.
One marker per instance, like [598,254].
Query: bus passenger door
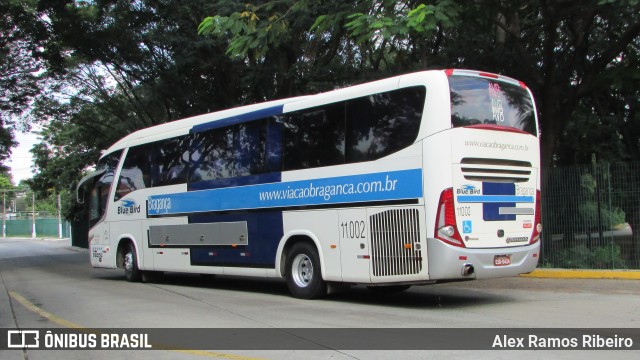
[100,246]
[354,245]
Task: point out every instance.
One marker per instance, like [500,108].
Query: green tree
[116,67]
[568,52]
[309,46]
[395,36]
[19,64]
[272,43]
[6,182]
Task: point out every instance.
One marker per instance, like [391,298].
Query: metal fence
[591,216]
[44,228]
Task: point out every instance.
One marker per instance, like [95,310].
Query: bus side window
[212,157]
[245,149]
[250,148]
[172,160]
[314,137]
[274,145]
[136,170]
[381,124]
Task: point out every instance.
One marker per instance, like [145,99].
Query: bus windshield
[480,101]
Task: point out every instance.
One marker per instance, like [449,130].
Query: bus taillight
[537,227]
[446,228]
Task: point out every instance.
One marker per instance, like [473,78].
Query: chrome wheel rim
[128,261]
[302,270]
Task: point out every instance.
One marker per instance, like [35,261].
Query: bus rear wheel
[303,273]
[130,264]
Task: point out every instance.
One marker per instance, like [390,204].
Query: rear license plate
[502,260]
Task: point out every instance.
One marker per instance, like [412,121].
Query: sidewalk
[46,238]
[64,242]
[584,274]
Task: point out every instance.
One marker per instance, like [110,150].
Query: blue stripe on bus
[383,186]
[238,119]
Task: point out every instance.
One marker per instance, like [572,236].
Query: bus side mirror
[80,195]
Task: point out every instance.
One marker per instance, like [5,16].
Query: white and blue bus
[422,178]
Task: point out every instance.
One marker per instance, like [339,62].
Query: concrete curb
[54,239]
[584,274]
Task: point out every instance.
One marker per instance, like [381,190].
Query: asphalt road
[47,284]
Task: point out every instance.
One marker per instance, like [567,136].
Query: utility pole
[33,213]
[59,218]
[4,213]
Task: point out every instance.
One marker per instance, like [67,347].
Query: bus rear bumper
[447,262]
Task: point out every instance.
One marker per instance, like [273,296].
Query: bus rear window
[476,101]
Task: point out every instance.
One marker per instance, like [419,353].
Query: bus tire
[303,272]
[130,264]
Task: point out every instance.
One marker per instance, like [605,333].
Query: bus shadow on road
[439,296]
[271,287]
[266,286]
[422,297]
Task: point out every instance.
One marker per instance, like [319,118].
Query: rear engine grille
[395,242]
[496,170]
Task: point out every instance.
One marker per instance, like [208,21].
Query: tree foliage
[20,36]
[118,67]
[6,182]
[575,56]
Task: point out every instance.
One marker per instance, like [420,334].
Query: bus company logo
[159,205]
[468,190]
[128,207]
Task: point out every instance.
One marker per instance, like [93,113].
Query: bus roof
[182,126]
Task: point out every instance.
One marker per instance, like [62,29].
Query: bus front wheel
[130,264]
[304,277]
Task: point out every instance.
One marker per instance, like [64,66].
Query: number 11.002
[352,229]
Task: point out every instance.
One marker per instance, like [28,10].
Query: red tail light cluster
[537,223]
[446,227]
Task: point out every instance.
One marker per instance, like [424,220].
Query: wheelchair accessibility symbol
[467,227]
